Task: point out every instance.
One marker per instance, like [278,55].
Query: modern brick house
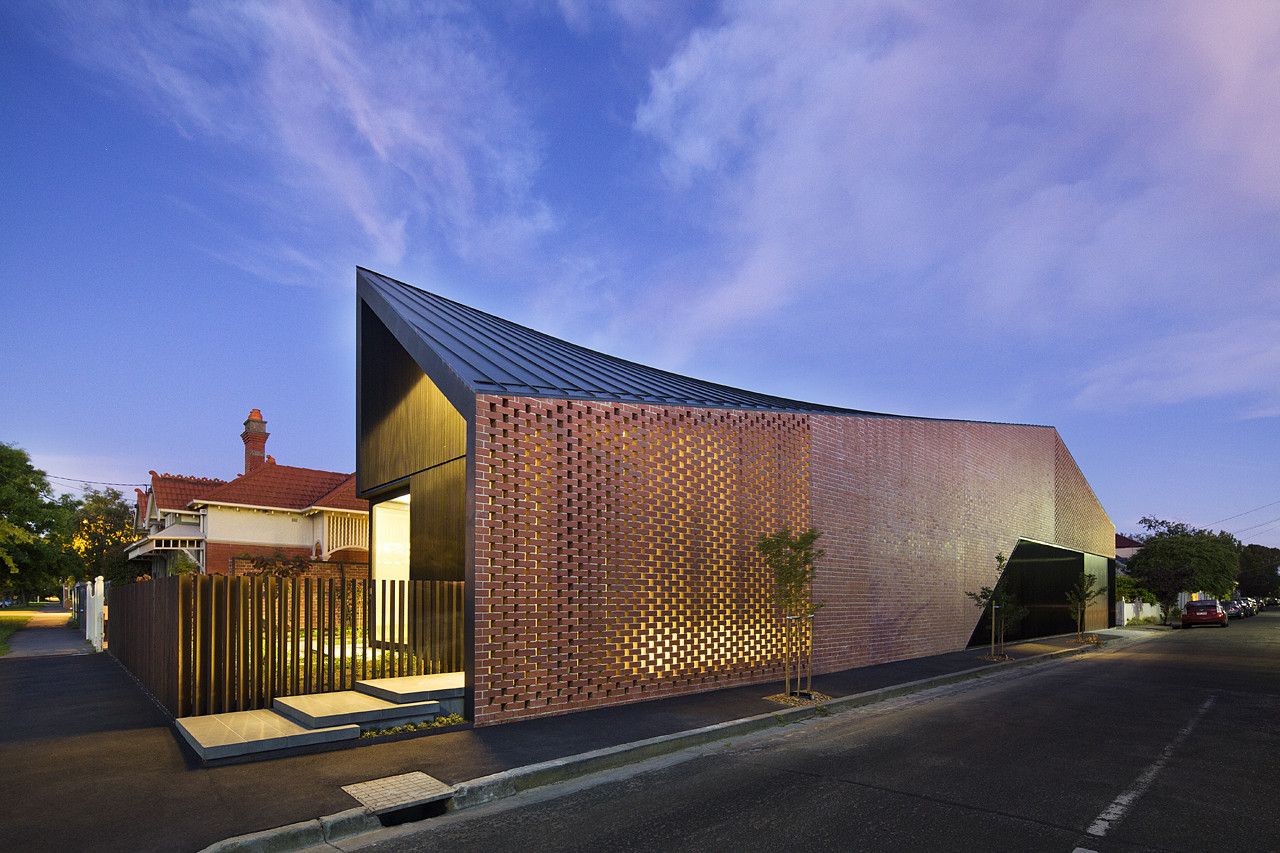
[269,509]
[603,513]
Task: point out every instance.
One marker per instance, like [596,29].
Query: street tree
[1130,589]
[103,529]
[1259,571]
[34,527]
[791,559]
[1177,558]
[1080,596]
[1002,606]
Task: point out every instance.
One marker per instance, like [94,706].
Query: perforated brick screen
[614,555]
[614,549]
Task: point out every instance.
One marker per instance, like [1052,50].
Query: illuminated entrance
[391,542]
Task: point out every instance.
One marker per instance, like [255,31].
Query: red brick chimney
[255,441]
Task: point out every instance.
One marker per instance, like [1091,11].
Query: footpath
[76,729]
[46,634]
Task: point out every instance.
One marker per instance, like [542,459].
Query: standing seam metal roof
[496,356]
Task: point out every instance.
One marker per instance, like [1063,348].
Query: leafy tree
[1130,589]
[1259,571]
[103,529]
[1080,596]
[34,527]
[10,535]
[1178,558]
[791,559]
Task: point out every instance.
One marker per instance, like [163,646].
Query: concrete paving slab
[415,688]
[243,732]
[347,706]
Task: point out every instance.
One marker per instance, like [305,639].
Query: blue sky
[1062,213]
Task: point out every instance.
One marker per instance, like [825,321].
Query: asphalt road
[1167,744]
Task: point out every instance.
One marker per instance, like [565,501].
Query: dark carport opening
[1040,576]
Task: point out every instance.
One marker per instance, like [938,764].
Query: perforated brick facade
[614,554]
[614,549]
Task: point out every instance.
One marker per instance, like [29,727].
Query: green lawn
[10,622]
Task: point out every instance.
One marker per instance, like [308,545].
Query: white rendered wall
[391,539]
[260,527]
[390,553]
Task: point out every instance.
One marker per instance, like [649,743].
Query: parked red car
[1203,613]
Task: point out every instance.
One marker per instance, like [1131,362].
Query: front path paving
[47,634]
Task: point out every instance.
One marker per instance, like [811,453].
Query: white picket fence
[89,603]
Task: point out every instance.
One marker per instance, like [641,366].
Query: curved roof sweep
[490,355]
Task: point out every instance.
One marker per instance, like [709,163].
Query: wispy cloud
[393,120]
[1237,360]
[1093,174]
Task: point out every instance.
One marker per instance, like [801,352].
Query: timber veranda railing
[205,644]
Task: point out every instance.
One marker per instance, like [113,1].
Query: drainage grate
[399,792]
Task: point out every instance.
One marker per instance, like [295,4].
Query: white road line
[1112,814]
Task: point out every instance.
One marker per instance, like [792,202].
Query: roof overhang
[455,389]
[258,507]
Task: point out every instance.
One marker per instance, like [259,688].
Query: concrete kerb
[301,835]
[497,786]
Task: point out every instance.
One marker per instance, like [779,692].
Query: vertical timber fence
[206,644]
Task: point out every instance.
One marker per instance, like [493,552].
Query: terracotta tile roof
[278,486]
[176,491]
[1123,541]
[344,497]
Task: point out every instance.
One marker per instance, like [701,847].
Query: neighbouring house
[603,513]
[1126,547]
[269,509]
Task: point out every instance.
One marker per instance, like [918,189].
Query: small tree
[791,560]
[1012,612]
[999,602]
[1080,596]
[183,565]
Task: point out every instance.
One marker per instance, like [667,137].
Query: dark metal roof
[491,355]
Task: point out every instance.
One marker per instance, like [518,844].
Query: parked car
[1234,609]
[1204,613]
[1249,609]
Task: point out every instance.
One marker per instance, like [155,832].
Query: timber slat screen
[206,644]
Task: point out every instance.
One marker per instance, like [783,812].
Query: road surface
[1169,744]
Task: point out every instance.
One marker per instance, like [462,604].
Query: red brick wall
[336,569]
[1080,522]
[614,550]
[913,513]
[218,555]
[613,542]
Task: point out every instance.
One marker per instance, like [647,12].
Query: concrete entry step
[317,710]
[244,732]
[415,688]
